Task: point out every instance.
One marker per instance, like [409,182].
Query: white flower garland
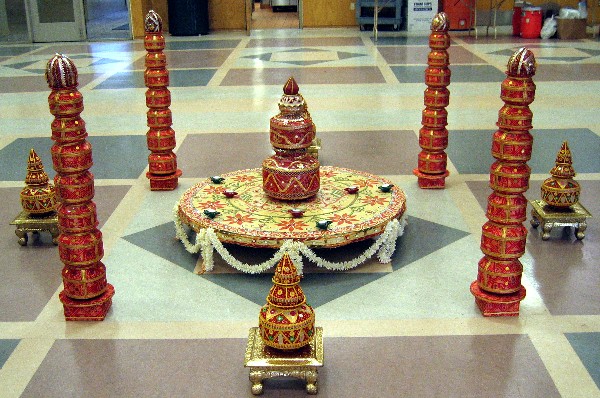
[207,242]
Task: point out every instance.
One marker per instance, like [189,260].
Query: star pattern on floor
[569,54]
[322,286]
[304,56]
[83,62]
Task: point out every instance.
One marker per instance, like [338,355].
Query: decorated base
[87,310]
[549,217]
[266,362]
[240,212]
[163,183]
[497,304]
[26,222]
[431,181]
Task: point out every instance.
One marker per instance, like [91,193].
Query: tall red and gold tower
[433,136]
[87,296]
[498,290]
[162,161]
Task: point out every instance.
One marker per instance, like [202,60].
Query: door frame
[57,31]
[249,7]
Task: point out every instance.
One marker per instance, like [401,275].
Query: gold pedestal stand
[549,217]
[313,149]
[266,362]
[26,222]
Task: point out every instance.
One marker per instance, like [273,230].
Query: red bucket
[531,22]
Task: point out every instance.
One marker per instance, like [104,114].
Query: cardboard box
[569,29]
[420,14]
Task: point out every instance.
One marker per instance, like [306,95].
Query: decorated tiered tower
[86,295]
[292,173]
[38,197]
[561,190]
[498,290]
[433,136]
[286,322]
[162,162]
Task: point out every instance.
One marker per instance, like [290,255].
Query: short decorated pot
[560,192]
[39,199]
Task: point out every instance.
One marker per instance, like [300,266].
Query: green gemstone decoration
[279,318]
[292,339]
[323,224]
[385,187]
[211,213]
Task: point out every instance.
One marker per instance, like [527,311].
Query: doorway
[13,21]
[276,14]
[107,20]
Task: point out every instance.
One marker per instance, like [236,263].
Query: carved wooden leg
[256,379]
[311,381]
[55,233]
[546,228]
[580,230]
[535,222]
[22,235]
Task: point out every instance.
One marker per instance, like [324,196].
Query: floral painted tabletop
[350,206]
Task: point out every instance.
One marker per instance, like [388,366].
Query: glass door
[57,20]
[14,26]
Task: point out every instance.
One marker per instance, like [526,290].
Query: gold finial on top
[291,87]
[440,22]
[35,170]
[153,22]
[564,163]
[522,63]
[61,72]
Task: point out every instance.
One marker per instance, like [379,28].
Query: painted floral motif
[292,225]
[214,190]
[212,205]
[243,178]
[238,219]
[344,219]
[366,183]
[328,173]
[373,200]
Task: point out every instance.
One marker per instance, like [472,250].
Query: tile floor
[409,328]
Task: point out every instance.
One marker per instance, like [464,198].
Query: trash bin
[531,22]
[188,17]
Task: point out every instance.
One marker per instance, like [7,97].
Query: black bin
[188,17]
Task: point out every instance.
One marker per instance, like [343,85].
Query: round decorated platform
[350,206]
